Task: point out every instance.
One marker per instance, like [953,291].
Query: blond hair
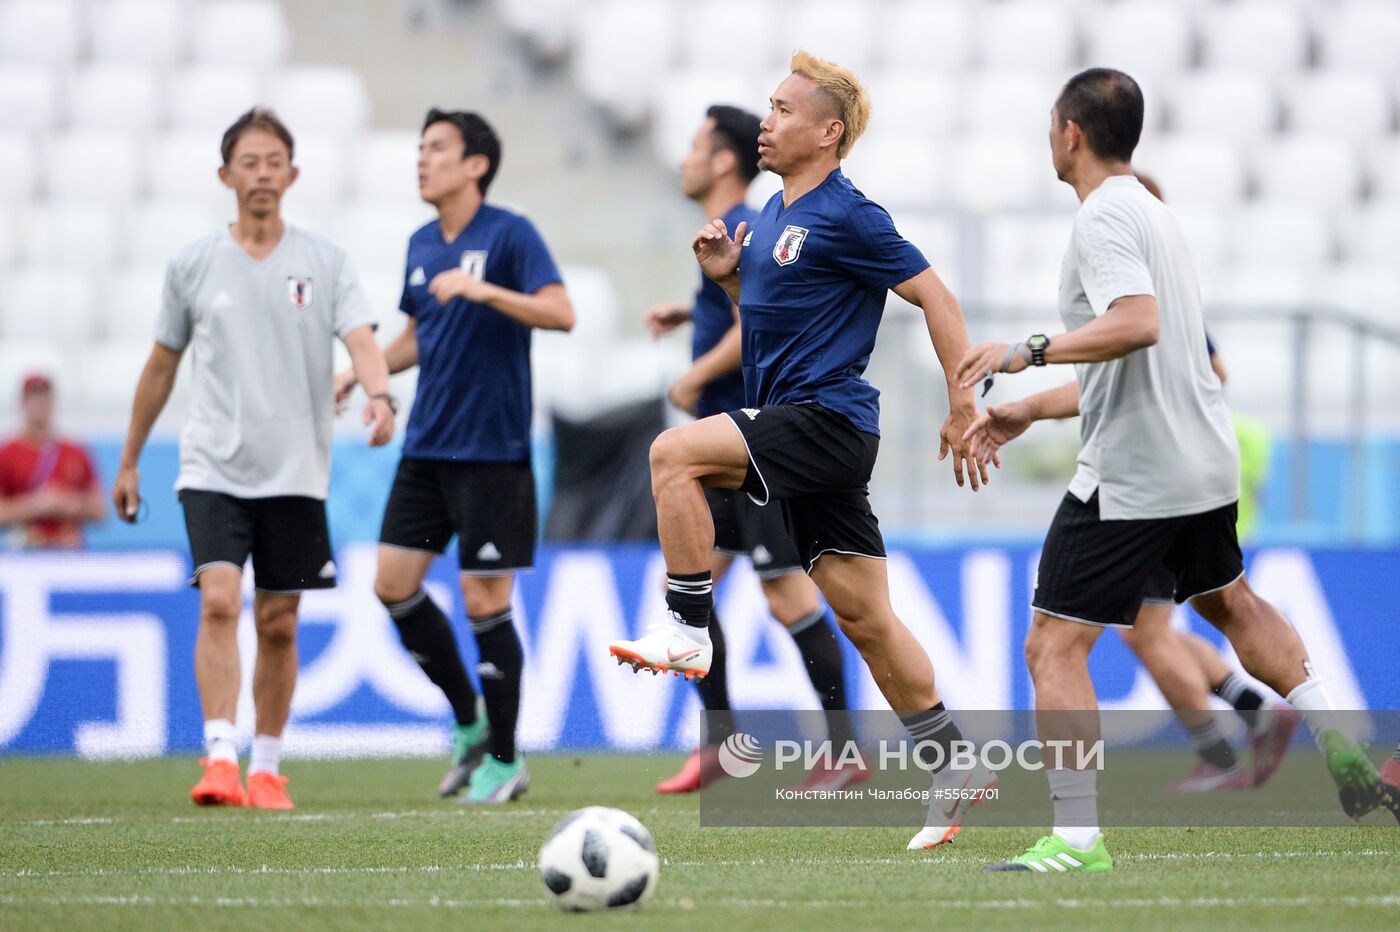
[845,90]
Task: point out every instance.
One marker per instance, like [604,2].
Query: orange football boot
[268,791]
[220,785]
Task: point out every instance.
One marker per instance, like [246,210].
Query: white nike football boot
[953,794]
[670,647]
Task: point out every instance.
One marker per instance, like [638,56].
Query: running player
[478,280]
[716,174]
[1158,472]
[811,287]
[259,305]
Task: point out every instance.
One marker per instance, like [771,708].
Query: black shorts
[817,465]
[1100,572]
[286,535]
[758,532]
[490,507]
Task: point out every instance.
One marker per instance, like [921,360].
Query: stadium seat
[375,235]
[622,48]
[250,33]
[29,98]
[139,32]
[924,36]
[595,303]
[1012,103]
[546,25]
[156,230]
[1024,255]
[384,290]
[9,237]
[320,99]
[1362,35]
[88,165]
[325,170]
[46,302]
[105,373]
[122,98]
[1368,289]
[183,166]
[1348,105]
[937,238]
[1287,234]
[385,165]
[21,357]
[917,103]
[1369,235]
[1234,105]
[17,167]
[680,99]
[720,36]
[70,233]
[1193,169]
[1142,37]
[211,97]
[1259,36]
[1320,171]
[899,171]
[40,32]
[1383,160]
[131,304]
[996,172]
[1026,35]
[1269,285]
[1207,230]
[832,29]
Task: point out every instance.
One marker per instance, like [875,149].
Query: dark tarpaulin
[602,480]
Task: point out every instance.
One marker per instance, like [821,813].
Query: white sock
[218,740]
[1315,706]
[698,635]
[267,753]
[1075,797]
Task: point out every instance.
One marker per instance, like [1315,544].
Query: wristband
[388,399]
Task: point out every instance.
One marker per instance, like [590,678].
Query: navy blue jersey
[812,284]
[473,400]
[712,316]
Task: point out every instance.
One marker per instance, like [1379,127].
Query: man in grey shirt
[259,305]
[1158,477]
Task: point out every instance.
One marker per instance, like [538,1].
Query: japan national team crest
[299,292]
[474,263]
[789,245]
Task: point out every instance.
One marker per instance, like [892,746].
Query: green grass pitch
[119,846]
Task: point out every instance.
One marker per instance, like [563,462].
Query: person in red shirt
[48,486]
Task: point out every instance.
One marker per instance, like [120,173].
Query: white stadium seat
[1361,34]
[29,98]
[240,32]
[1320,171]
[1230,104]
[1369,235]
[320,99]
[1008,102]
[1345,104]
[184,166]
[115,97]
[1207,231]
[917,103]
[720,36]
[1263,285]
[1193,169]
[996,172]
[842,32]
[1383,159]
[384,289]
[622,49]
[385,165]
[937,238]
[1019,35]
[88,165]
[375,235]
[46,302]
[18,167]
[680,99]
[1023,258]
[545,24]
[1369,289]
[595,303]
[18,358]
[1260,36]
[1142,37]
[105,375]
[919,35]
[899,170]
[156,230]
[323,161]
[70,233]
[9,235]
[131,303]
[1287,234]
[40,32]
[211,97]
[139,32]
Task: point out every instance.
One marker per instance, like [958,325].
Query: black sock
[714,691]
[936,726]
[1246,700]
[1211,745]
[428,637]
[690,597]
[821,653]
[501,663]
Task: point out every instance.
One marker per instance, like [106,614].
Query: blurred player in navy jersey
[716,174]
[810,276]
[478,280]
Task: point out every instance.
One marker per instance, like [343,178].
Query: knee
[220,608]
[668,456]
[391,591]
[1229,609]
[1048,645]
[277,628]
[863,629]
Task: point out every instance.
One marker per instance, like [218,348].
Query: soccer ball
[599,858]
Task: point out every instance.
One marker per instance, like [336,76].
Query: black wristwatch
[388,399]
[1037,344]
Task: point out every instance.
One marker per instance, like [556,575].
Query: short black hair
[478,138]
[737,130]
[1107,105]
[259,118]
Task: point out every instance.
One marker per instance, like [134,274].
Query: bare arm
[152,392]
[1000,424]
[400,354]
[548,309]
[372,372]
[946,329]
[723,358]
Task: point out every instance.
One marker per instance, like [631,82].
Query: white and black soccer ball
[599,858]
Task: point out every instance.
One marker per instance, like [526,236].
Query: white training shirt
[1156,438]
[261,335]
